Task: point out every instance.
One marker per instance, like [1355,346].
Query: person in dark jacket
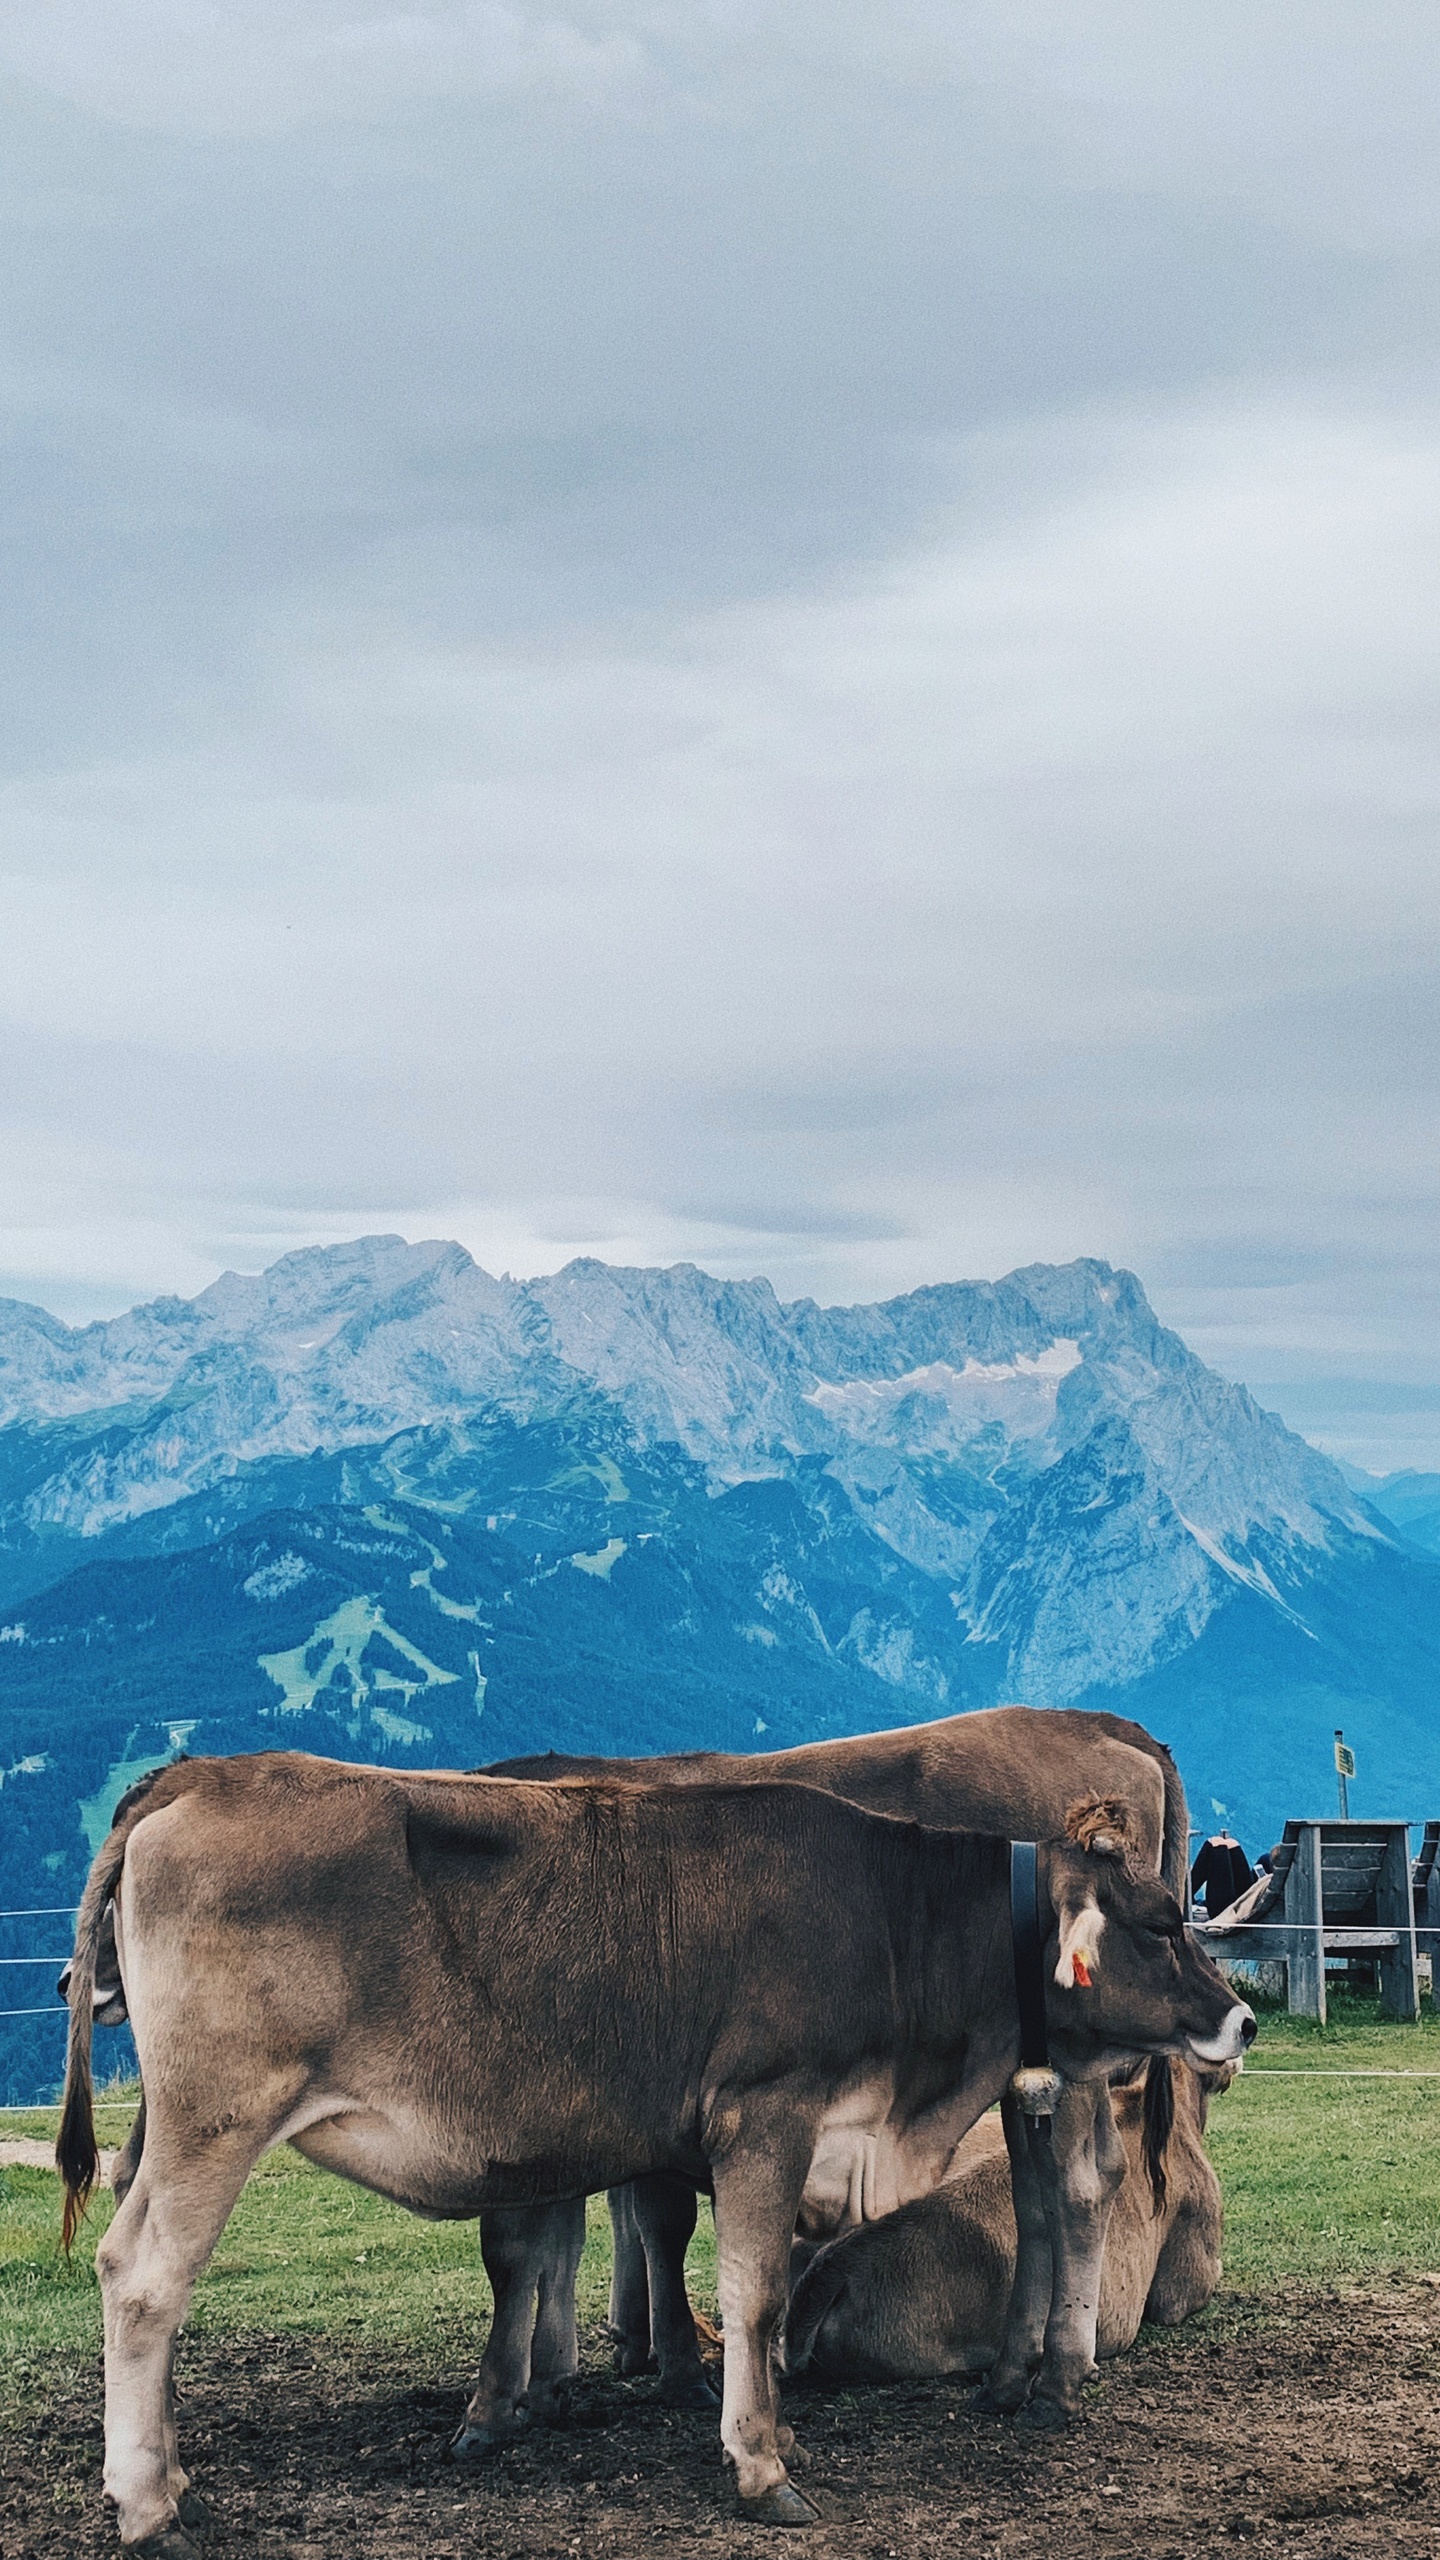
[1221,1873]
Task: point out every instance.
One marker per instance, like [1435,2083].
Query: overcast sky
[803,636]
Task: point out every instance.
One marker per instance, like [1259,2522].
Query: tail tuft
[76,2155]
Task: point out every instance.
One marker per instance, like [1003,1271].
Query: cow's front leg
[629,2321]
[758,2187]
[521,2246]
[1081,2172]
[665,2210]
[1007,2385]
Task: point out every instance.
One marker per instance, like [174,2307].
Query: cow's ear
[1082,1927]
[1101,1825]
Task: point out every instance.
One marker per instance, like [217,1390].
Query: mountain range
[375,1502]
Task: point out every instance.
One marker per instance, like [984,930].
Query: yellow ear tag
[1081,1972]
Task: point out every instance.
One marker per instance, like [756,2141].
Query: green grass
[1325,2179]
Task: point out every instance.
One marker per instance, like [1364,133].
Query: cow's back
[1013,1771]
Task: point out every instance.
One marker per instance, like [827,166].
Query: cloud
[520,317]
[1321,122]
[256,66]
[1071,866]
[801,638]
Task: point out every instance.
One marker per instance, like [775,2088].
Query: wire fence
[55,2009]
[51,2106]
[37,1911]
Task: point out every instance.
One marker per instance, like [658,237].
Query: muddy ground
[1309,2427]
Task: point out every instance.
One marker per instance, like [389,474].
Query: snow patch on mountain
[941,1407]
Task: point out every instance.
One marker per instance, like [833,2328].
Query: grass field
[1326,2179]
[1332,2178]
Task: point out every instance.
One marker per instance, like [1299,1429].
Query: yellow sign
[1344,1759]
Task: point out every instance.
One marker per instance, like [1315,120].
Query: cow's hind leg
[128,2157]
[757,2196]
[555,2348]
[147,2264]
[193,2512]
[629,2321]
[665,2211]
[521,2245]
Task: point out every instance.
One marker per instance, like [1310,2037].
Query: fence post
[1303,1891]
[1395,1909]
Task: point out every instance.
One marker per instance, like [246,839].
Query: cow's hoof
[784,2504]
[479,2444]
[552,2408]
[195,2515]
[1044,2418]
[689,2391]
[987,2402]
[171,2543]
[632,2362]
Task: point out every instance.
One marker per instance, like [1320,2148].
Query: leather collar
[1028,1941]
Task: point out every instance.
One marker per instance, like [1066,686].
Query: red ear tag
[1081,1972]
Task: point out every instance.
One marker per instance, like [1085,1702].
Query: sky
[797,637]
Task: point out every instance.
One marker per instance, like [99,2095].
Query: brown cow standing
[1009,1770]
[463,1992]
[924,2291]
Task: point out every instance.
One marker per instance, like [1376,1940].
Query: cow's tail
[811,2303]
[1159,2124]
[76,2155]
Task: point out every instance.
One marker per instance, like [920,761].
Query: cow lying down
[924,2291]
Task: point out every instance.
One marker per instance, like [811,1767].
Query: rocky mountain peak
[934,1409]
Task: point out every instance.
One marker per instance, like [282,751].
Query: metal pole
[1340,1775]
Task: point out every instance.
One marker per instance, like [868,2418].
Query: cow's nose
[1248,2027]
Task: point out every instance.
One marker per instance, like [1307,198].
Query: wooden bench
[1336,1889]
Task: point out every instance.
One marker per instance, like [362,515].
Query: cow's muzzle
[1228,2044]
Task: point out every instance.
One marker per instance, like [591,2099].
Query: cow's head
[1125,1975]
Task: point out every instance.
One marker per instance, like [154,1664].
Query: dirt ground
[1309,2427]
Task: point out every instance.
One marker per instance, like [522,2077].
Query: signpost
[1344,1771]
